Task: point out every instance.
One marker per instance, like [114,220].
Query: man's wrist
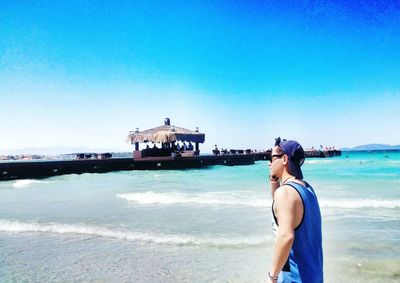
[273,179]
[272,277]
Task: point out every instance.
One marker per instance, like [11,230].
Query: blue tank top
[305,262]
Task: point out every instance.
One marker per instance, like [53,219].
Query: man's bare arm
[285,208]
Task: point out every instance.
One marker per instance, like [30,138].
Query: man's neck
[285,177]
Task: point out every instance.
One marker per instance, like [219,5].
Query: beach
[196,225]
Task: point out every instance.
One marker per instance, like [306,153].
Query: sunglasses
[275,157]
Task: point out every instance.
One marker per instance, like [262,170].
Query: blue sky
[244,72]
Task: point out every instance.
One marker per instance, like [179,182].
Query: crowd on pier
[225,151]
[167,149]
[313,151]
[11,157]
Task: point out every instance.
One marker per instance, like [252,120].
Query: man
[297,219]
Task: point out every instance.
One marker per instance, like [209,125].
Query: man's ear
[285,159]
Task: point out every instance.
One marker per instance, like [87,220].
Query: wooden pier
[322,153]
[43,169]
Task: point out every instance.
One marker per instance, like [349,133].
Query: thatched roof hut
[165,134]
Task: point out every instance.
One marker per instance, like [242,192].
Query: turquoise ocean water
[195,225]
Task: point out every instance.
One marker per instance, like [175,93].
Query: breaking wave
[246,199]
[213,198]
[360,203]
[26,183]
[174,239]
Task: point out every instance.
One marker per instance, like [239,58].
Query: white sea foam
[245,199]
[174,239]
[210,198]
[360,203]
[26,183]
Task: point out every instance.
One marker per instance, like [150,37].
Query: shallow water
[195,225]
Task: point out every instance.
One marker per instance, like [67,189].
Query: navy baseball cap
[296,156]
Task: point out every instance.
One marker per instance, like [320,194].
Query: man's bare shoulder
[287,193]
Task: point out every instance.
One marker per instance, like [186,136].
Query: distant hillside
[374,146]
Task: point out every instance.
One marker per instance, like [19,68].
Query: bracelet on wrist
[272,179]
[275,278]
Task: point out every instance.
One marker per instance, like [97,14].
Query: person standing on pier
[296,225]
